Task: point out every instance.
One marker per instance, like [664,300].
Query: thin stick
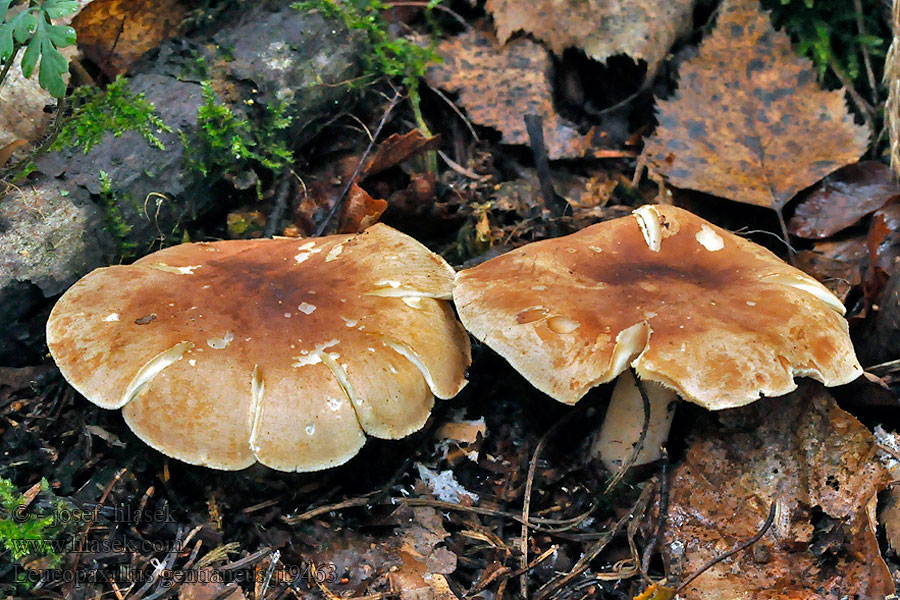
[458,112]
[867,60]
[488,512]
[787,237]
[323,226]
[636,512]
[645,402]
[661,516]
[555,203]
[526,503]
[279,207]
[769,520]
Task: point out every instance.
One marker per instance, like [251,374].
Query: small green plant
[113,221]
[229,144]
[33,30]
[385,56]
[22,533]
[115,109]
[837,37]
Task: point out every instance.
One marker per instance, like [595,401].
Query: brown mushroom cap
[713,316]
[284,351]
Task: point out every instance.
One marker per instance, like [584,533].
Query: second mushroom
[696,311]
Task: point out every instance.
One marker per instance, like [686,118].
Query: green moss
[385,56]
[114,110]
[828,33]
[24,534]
[113,221]
[229,145]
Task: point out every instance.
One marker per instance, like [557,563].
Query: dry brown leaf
[818,464]
[499,85]
[115,33]
[9,149]
[397,149]
[602,28]
[210,587]
[360,210]
[466,432]
[749,122]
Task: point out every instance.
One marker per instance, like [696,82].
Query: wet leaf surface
[757,129]
[842,198]
[818,464]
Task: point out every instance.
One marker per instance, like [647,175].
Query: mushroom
[286,351]
[693,309]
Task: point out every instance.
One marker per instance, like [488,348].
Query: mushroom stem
[624,423]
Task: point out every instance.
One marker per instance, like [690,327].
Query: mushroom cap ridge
[711,315]
[285,351]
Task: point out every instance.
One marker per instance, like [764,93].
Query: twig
[661,514]
[339,202]
[867,59]
[526,502]
[645,402]
[504,574]
[636,512]
[534,522]
[458,112]
[864,107]
[280,206]
[787,237]
[459,168]
[555,203]
[247,561]
[762,531]
[440,7]
[744,232]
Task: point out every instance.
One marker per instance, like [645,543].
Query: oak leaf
[498,85]
[749,122]
[602,28]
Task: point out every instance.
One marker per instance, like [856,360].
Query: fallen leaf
[749,121]
[115,33]
[656,592]
[602,28]
[9,149]
[883,333]
[499,85]
[398,149]
[838,276]
[883,241]
[466,432]
[889,443]
[818,464]
[360,210]
[843,198]
[209,587]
